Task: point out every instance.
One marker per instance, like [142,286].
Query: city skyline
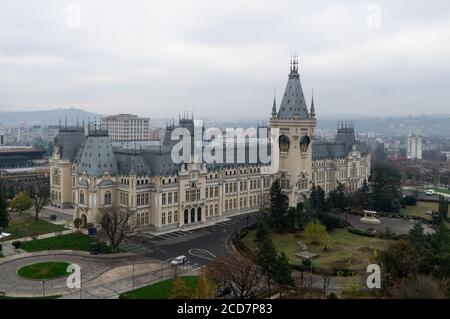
[368,58]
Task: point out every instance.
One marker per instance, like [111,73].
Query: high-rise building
[414,147]
[127,127]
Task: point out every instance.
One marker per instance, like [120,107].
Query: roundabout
[44,270]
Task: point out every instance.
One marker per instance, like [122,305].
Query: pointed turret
[274,107]
[293,105]
[312,113]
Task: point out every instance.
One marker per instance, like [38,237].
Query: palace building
[88,173]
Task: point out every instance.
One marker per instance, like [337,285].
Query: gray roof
[95,154]
[69,141]
[293,104]
[324,150]
[98,156]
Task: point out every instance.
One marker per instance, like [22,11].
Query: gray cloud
[224,58]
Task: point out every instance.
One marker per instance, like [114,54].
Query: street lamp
[43,287]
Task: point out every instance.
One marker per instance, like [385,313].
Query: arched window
[169,218]
[82,198]
[199,214]
[284,142]
[186,216]
[304,143]
[108,198]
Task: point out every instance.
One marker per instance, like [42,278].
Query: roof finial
[313,111]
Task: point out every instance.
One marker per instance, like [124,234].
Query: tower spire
[274,107]
[313,111]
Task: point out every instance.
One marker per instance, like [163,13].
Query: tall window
[82,198]
[108,198]
[169,218]
[163,218]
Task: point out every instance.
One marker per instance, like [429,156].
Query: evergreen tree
[338,197]
[417,237]
[386,186]
[317,198]
[262,231]
[443,207]
[283,271]
[279,204]
[4,217]
[364,191]
[292,217]
[266,258]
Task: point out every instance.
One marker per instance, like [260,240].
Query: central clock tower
[295,127]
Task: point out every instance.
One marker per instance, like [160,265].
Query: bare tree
[41,199]
[115,224]
[238,273]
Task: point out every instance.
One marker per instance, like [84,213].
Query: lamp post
[133,277]
[43,287]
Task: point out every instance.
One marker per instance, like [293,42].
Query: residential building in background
[414,151]
[126,127]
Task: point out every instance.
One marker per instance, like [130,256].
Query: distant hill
[47,117]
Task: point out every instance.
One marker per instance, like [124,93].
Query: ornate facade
[88,173]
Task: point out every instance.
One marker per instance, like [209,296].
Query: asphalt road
[200,246]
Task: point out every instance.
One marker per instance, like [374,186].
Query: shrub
[331,222]
[16,244]
[409,200]
[315,233]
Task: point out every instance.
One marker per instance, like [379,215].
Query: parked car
[180,260]
[430,192]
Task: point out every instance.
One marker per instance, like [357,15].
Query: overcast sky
[224,58]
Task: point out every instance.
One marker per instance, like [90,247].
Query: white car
[430,192]
[180,260]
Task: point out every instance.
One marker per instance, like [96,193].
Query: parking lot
[200,245]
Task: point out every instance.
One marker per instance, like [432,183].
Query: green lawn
[44,270]
[75,241]
[420,209]
[345,250]
[159,290]
[441,190]
[23,226]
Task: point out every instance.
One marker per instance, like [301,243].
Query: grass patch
[441,190]
[75,241]
[23,226]
[420,209]
[159,290]
[344,251]
[44,270]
